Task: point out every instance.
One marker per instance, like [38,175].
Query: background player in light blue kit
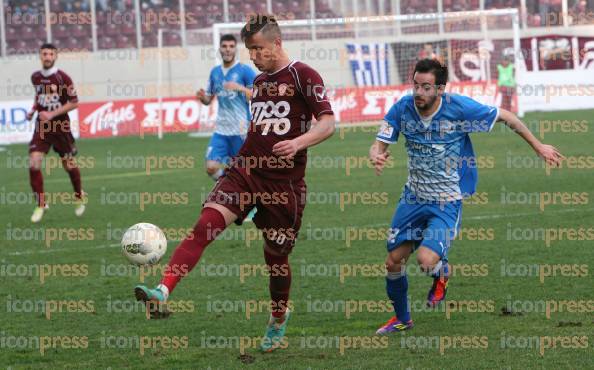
[441,172]
[232,84]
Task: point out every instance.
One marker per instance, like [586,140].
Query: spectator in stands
[152,4]
[24,8]
[428,52]
[578,12]
[101,5]
[120,5]
[550,13]
[80,6]
[66,6]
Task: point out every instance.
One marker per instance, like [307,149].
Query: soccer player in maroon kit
[55,96]
[268,172]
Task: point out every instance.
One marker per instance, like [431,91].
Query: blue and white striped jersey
[233,115]
[441,160]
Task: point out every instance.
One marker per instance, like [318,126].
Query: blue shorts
[222,147]
[428,223]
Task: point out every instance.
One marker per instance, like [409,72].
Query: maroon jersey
[53,89]
[283,104]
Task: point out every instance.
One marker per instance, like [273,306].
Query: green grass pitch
[527,247]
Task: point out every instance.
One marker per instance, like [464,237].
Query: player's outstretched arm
[319,132]
[378,155]
[549,153]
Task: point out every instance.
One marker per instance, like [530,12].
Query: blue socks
[397,289]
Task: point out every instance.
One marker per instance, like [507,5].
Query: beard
[426,104]
[48,64]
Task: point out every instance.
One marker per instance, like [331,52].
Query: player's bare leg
[36,180]
[71,167]
[213,219]
[397,289]
[432,264]
[280,285]
[214,169]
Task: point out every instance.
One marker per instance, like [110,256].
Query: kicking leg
[213,220]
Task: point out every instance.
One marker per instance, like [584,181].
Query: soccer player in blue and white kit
[231,83]
[441,172]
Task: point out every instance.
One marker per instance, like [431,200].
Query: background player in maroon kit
[55,96]
[268,171]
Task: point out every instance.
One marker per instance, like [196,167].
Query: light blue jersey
[233,115]
[441,161]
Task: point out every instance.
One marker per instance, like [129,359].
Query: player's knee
[68,164]
[427,261]
[211,170]
[35,163]
[393,265]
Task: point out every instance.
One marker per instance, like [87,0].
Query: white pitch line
[482,217]
[543,213]
[56,250]
[117,175]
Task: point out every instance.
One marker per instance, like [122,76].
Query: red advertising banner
[140,116]
[350,105]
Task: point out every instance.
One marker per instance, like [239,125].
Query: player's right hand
[201,95]
[45,116]
[379,161]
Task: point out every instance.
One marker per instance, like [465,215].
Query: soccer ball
[144,244]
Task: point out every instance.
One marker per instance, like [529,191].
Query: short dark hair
[439,70]
[228,37]
[260,22]
[48,45]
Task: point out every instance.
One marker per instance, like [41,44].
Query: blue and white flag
[369,63]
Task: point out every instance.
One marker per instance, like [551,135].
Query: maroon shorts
[62,142]
[279,204]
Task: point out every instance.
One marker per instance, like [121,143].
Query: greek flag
[369,63]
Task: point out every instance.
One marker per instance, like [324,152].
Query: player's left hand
[286,149]
[379,161]
[45,116]
[550,154]
[232,85]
